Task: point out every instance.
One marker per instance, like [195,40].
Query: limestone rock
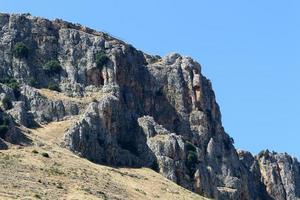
[9,132]
[147,111]
[45,110]
[280,174]
[20,114]
[97,135]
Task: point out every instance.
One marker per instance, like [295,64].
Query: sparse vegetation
[4,124]
[6,102]
[46,155]
[54,87]
[52,67]
[190,147]
[32,82]
[35,151]
[16,88]
[59,185]
[71,176]
[13,84]
[191,158]
[20,50]
[37,196]
[3,130]
[101,59]
[94,100]
[54,171]
[140,191]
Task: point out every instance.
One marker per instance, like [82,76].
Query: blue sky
[250,49]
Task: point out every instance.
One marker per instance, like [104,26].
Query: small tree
[53,86]
[3,130]
[20,50]
[6,102]
[191,158]
[13,84]
[32,82]
[4,125]
[52,67]
[101,59]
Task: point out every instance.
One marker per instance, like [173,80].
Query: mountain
[128,110]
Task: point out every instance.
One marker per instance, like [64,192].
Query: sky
[249,49]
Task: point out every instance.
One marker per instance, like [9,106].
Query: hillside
[26,174]
[77,94]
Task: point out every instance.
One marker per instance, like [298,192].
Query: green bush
[52,67]
[46,155]
[20,50]
[53,86]
[32,82]
[190,147]
[101,59]
[3,130]
[35,151]
[16,88]
[6,80]
[13,84]
[6,102]
[191,158]
[4,125]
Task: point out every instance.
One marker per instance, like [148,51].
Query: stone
[147,111]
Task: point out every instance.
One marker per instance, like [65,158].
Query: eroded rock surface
[135,109]
[280,174]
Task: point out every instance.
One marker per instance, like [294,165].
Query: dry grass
[53,95]
[26,174]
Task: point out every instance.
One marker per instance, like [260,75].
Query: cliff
[134,110]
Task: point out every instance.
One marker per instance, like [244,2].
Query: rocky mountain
[134,110]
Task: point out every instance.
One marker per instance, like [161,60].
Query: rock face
[147,111]
[10,133]
[280,174]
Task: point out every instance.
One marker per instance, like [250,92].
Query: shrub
[101,59]
[94,100]
[191,158]
[46,155]
[37,196]
[6,102]
[20,50]
[13,84]
[3,130]
[59,185]
[4,119]
[52,67]
[4,123]
[32,82]
[54,87]
[6,80]
[35,151]
[190,147]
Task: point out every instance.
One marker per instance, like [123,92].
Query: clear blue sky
[250,49]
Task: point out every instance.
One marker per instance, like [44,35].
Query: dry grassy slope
[26,174]
[53,95]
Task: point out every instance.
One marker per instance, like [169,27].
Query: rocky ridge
[136,110]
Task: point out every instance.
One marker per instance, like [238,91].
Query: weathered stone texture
[152,112]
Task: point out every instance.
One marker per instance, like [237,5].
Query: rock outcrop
[10,133]
[280,174]
[144,111]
